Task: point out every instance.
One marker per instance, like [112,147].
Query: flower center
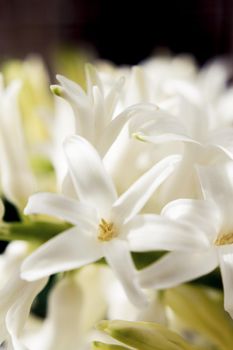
[106,231]
[224,239]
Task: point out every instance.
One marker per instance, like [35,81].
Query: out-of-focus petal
[226,266]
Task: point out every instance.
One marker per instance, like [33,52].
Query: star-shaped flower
[208,221]
[101,219]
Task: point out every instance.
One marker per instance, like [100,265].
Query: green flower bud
[102,346]
[144,335]
[201,310]
[57,90]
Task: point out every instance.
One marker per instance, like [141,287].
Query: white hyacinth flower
[192,133]
[101,219]
[209,221]
[96,117]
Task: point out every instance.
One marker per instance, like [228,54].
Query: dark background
[122,31]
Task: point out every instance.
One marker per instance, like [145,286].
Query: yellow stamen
[106,231]
[224,239]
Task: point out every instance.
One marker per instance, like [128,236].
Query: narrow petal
[69,250]
[174,188]
[134,199]
[61,207]
[217,185]
[92,79]
[114,128]
[118,257]
[200,215]
[223,139]
[98,113]
[137,87]
[158,126]
[226,267]
[176,268]
[154,232]
[81,106]
[166,137]
[92,183]
[112,99]
[70,85]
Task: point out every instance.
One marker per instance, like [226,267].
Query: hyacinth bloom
[209,220]
[95,112]
[192,132]
[112,184]
[102,220]
[96,116]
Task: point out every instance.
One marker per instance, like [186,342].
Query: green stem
[40,231]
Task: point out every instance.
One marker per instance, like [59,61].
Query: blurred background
[122,31]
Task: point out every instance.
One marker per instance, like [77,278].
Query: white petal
[98,114]
[137,87]
[166,137]
[92,183]
[112,99]
[219,69]
[176,268]
[158,126]
[118,257]
[217,185]
[226,267]
[223,139]
[92,79]
[189,187]
[70,85]
[61,207]
[81,106]
[134,199]
[200,215]
[154,232]
[114,128]
[69,250]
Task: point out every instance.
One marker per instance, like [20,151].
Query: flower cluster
[124,187]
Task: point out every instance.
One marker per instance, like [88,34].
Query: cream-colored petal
[67,251]
[178,267]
